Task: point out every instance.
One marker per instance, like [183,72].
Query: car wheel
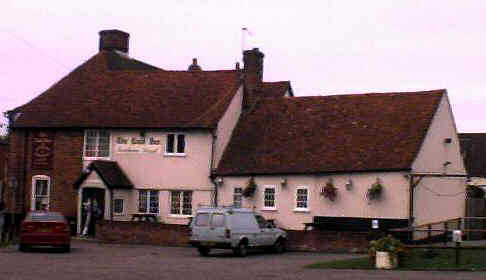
[241,250]
[279,246]
[66,248]
[203,251]
[23,248]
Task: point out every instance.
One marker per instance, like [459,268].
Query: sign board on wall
[42,150]
[125,144]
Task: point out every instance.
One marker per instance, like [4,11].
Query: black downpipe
[212,177]
[411,218]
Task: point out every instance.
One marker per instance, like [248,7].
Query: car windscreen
[44,217]
[202,220]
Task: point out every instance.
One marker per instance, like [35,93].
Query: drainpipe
[212,177]
[411,217]
[411,194]
[111,205]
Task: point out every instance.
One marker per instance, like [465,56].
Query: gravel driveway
[91,260]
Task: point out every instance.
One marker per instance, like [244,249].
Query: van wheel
[241,250]
[279,246]
[203,251]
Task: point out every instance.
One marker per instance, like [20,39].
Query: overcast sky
[322,47]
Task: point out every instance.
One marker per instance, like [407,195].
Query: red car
[44,228]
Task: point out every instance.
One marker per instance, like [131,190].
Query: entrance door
[92,210]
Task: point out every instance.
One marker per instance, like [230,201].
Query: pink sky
[322,47]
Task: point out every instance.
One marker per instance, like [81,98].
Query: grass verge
[418,259]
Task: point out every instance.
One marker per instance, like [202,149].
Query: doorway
[92,210]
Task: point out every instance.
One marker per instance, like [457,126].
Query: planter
[384,260]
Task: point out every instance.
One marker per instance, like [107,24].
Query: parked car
[44,228]
[238,229]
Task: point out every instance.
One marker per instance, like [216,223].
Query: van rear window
[202,219]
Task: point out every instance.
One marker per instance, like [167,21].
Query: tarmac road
[91,260]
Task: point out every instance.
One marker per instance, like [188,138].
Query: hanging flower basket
[375,191]
[250,188]
[329,191]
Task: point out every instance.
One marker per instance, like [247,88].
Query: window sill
[96,158]
[174,155]
[269,209]
[175,216]
[301,210]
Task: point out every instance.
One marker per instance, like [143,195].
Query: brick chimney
[253,75]
[114,40]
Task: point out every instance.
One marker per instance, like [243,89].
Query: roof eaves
[287,173]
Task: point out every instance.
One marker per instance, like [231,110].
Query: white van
[238,229]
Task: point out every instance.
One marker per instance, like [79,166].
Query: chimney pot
[114,40]
[194,67]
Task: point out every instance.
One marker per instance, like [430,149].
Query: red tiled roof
[473,149]
[276,89]
[323,134]
[113,91]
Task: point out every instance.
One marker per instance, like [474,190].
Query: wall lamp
[219,181]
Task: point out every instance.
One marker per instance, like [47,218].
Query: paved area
[91,260]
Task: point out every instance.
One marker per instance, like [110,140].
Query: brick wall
[178,235]
[66,168]
[143,233]
[16,168]
[327,241]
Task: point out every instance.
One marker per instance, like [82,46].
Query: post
[458,255]
[429,231]
[457,237]
[446,232]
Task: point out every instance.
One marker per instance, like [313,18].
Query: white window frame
[239,195]
[147,206]
[123,207]
[176,141]
[301,209]
[181,203]
[268,208]
[97,144]
[34,197]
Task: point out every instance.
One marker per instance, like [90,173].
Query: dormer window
[175,144]
[97,144]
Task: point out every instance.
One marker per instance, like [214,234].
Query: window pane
[261,221]
[97,143]
[142,201]
[41,187]
[269,197]
[118,206]
[169,148]
[237,197]
[175,202]
[187,203]
[181,143]
[301,198]
[154,202]
[217,220]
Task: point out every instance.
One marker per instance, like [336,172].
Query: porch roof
[109,171]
